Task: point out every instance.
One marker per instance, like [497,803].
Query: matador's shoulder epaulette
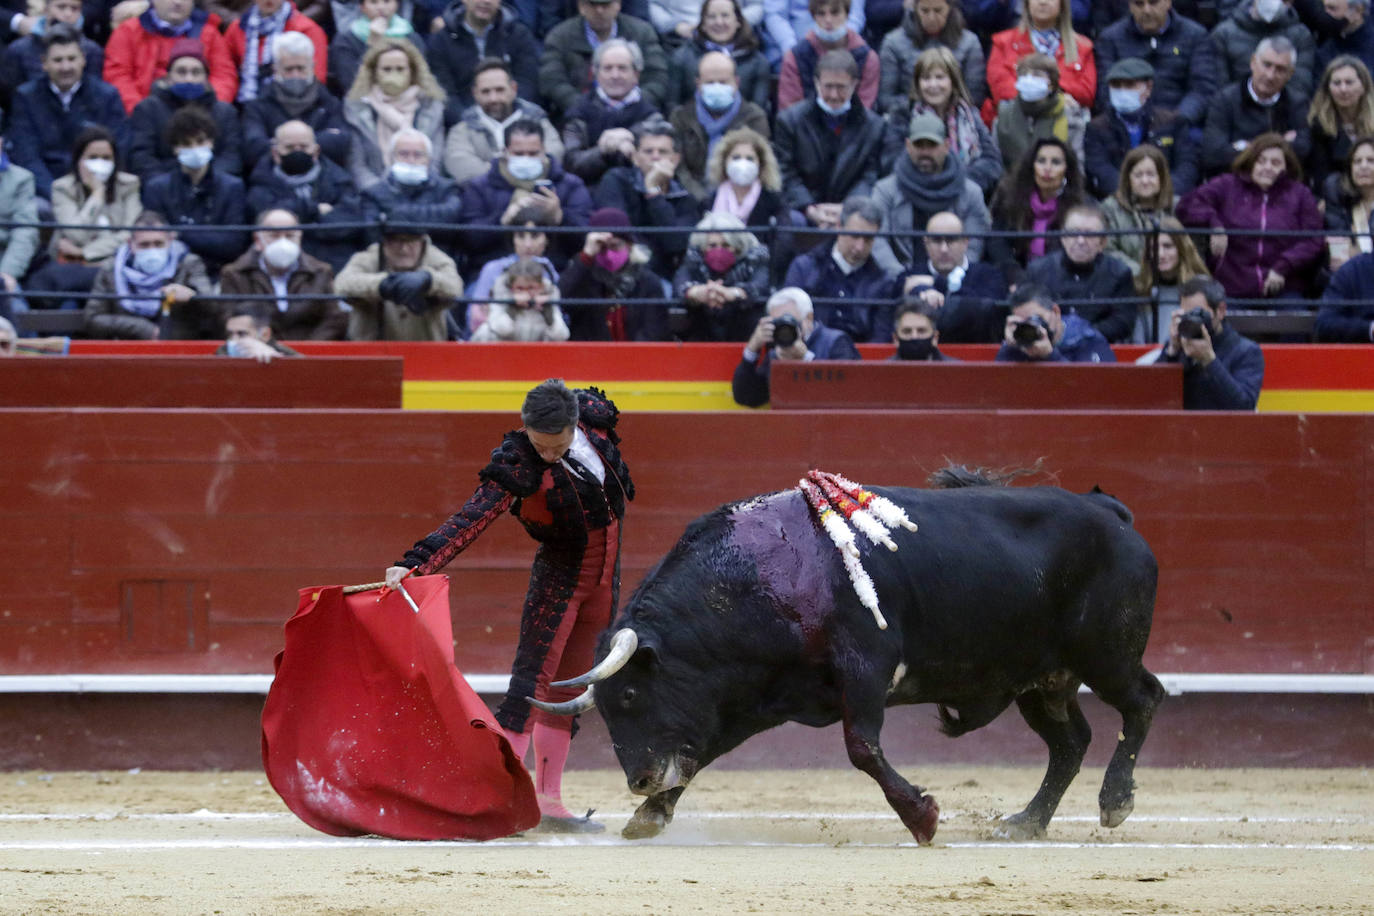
[515,466]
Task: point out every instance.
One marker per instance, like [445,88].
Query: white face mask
[742,171]
[1268,10]
[408,173]
[151,260]
[525,168]
[1032,87]
[100,169]
[281,253]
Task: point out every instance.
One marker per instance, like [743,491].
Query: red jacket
[136,55]
[1078,79]
[236,40]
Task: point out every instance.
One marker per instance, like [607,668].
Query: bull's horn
[569,708]
[623,645]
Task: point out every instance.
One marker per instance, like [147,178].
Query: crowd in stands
[660,169]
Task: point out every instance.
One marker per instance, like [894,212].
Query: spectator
[528,241]
[1237,40]
[472,31]
[651,196]
[967,295]
[1039,111]
[1144,194]
[929,179]
[148,289]
[1347,308]
[802,338]
[346,13]
[400,288]
[295,176]
[1341,111]
[19,206]
[1134,121]
[828,148]
[1033,197]
[1187,71]
[1356,37]
[532,312]
[715,110]
[677,20]
[937,88]
[722,27]
[1349,201]
[275,268]
[744,182]
[855,293]
[1037,331]
[599,131]
[929,25]
[412,191]
[22,61]
[476,141]
[393,90]
[723,280]
[915,334]
[1169,260]
[565,67]
[1222,370]
[8,338]
[800,76]
[248,334]
[196,195]
[785,21]
[612,267]
[293,94]
[1046,27]
[1263,191]
[252,48]
[377,19]
[523,175]
[184,88]
[50,110]
[1097,287]
[140,48]
[1266,102]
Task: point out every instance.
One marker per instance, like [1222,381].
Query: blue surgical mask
[835,112]
[1125,101]
[831,36]
[717,96]
[151,260]
[195,158]
[408,173]
[188,92]
[525,168]
[1032,87]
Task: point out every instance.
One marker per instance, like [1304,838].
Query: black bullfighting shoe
[549,823]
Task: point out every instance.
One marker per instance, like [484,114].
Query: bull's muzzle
[623,645]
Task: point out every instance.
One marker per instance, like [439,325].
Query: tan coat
[72,203]
[373,318]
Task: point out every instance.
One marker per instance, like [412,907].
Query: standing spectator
[1341,111]
[855,294]
[1169,260]
[967,295]
[474,30]
[1356,37]
[788,332]
[377,19]
[394,90]
[715,110]
[799,75]
[1265,102]
[184,88]
[927,25]
[1222,370]
[612,267]
[1134,121]
[275,268]
[1034,197]
[599,131]
[1040,111]
[1038,331]
[651,196]
[724,28]
[723,280]
[22,61]
[1349,199]
[1144,194]
[1046,27]
[937,88]
[251,47]
[293,94]
[565,69]
[400,288]
[148,289]
[1347,308]
[1237,40]
[140,49]
[1184,60]
[532,312]
[1264,191]
[476,141]
[413,193]
[1099,288]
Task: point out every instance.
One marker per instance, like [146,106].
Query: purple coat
[1233,202]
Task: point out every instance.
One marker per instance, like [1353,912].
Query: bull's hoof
[925,821]
[645,823]
[1115,816]
[1019,828]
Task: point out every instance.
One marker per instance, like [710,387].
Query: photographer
[1221,369]
[1036,331]
[788,331]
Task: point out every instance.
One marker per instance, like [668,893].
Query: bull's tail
[1111,502]
[954,476]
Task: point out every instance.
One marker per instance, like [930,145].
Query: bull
[1001,595]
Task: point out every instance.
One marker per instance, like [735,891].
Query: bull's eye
[628,695]
[688,750]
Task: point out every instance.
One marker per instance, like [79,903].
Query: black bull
[1002,595]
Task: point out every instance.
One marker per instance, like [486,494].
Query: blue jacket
[977,312]
[485,198]
[435,202]
[149,155]
[1107,140]
[217,201]
[1187,71]
[41,132]
[818,274]
[23,60]
[453,54]
[260,118]
[1102,291]
[1348,323]
[1359,43]
[750,383]
[1081,343]
[1231,382]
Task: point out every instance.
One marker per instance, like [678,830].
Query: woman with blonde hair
[938,88]
[1349,198]
[748,186]
[1144,195]
[1341,110]
[1168,259]
[394,90]
[1046,27]
[723,281]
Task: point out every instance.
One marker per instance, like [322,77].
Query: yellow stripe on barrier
[1297,400]
[507,395]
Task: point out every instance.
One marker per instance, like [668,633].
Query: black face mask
[297,163]
[916,348]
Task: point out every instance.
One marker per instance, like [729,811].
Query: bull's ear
[645,657]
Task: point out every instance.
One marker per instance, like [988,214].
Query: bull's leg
[862,725]
[1136,701]
[652,815]
[1056,718]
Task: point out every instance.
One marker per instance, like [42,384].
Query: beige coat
[374,318]
[72,203]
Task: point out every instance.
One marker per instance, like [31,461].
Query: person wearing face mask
[928,24]
[717,109]
[275,269]
[148,289]
[743,181]
[293,94]
[1222,369]
[612,267]
[598,133]
[1046,28]
[967,295]
[412,192]
[915,334]
[650,194]
[796,81]
[1132,122]
[1264,102]
[1185,63]
[138,50]
[785,21]
[1237,39]
[1356,38]
[723,281]
[371,19]
[726,27]
[400,288]
[250,39]
[184,88]
[248,334]
[394,89]
[1039,111]
[476,141]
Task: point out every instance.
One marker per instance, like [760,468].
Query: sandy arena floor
[1200,841]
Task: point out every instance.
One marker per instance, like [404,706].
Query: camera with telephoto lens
[786,330]
[1191,324]
[1028,332]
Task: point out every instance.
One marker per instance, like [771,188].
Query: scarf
[631,97]
[303,185]
[959,128]
[618,285]
[396,27]
[1046,41]
[930,193]
[727,203]
[139,293]
[394,113]
[716,125]
[296,105]
[710,45]
[258,33]
[1042,214]
[495,129]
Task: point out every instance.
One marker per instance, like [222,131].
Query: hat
[926,126]
[1130,69]
[187,47]
[610,218]
[391,230]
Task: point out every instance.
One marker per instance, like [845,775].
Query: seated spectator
[1081,276]
[400,288]
[50,110]
[786,21]
[743,181]
[523,175]
[1144,193]
[927,180]
[1169,260]
[1265,102]
[599,131]
[413,192]
[346,13]
[1222,370]
[1133,121]
[1187,70]
[715,110]
[248,334]
[18,206]
[393,90]
[1039,111]
[565,68]
[293,94]
[828,148]
[851,291]
[926,26]
[788,332]
[799,77]
[472,31]
[148,289]
[275,268]
[1263,190]
[1341,112]
[198,196]
[1046,27]
[476,141]
[295,176]
[1033,197]
[252,48]
[1347,308]
[611,267]
[915,334]
[676,20]
[1356,36]
[937,88]
[1349,201]
[529,241]
[723,280]
[8,338]
[967,295]
[532,312]
[1037,331]
[183,89]
[650,194]
[377,20]
[22,61]
[722,27]
[139,50]
[1238,37]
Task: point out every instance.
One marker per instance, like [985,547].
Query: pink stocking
[519,742]
[550,756]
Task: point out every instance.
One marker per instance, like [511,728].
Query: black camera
[1191,324]
[786,330]
[1028,332]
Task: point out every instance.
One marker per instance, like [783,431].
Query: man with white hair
[1237,38]
[788,331]
[413,193]
[294,93]
[1264,102]
[275,268]
[599,131]
[251,42]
